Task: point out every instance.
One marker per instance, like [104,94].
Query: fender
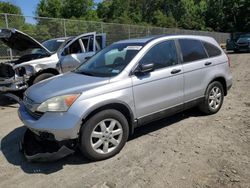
[113,104]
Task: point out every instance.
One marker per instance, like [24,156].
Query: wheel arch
[48,70]
[119,106]
[223,82]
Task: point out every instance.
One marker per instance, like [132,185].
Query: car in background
[243,43]
[39,61]
[128,84]
[238,42]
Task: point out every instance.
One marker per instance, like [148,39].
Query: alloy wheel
[106,136]
[215,97]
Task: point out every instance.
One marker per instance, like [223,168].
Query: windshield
[53,45]
[110,61]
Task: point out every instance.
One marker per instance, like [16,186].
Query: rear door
[196,65]
[77,51]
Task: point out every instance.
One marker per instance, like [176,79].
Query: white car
[40,61]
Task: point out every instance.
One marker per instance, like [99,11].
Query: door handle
[87,58]
[175,71]
[208,63]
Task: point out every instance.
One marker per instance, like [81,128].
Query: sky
[28,7]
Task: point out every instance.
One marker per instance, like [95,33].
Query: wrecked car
[128,84]
[39,61]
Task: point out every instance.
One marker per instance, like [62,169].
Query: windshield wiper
[85,73]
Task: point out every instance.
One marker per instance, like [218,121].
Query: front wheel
[213,98]
[104,135]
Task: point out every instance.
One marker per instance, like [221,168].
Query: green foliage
[6,7]
[16,21]
[162,20]
[67,9]
[76,8]
[49,8]
[192,14]
[211,15]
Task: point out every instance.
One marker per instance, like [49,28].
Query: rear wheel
[104,135]
[42,76]
[213,98]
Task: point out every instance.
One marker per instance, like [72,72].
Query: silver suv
[130,83]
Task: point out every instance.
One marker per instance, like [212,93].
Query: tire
[209,107]
[88,136]
[42,77]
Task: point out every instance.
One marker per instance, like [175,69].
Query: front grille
[35,114]
[6,70]
[242,44]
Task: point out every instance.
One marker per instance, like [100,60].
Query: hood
[68,83]
[244,40]
[44,62]
[20,41]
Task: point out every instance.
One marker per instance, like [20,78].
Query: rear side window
[192,50]
[211,49]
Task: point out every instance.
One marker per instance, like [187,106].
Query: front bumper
[38,149]
[243,47]
[13,84]
[62,125]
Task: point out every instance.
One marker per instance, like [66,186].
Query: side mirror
[144,68]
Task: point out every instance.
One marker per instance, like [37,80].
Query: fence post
[102,27]
[7,26]
[129,31]
[6,21]
[64,28]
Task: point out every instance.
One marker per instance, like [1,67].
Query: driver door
[77,51]
[156,93]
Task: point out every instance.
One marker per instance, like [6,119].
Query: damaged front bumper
[36,148]
[15,83]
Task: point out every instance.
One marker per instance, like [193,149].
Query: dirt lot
[185,150]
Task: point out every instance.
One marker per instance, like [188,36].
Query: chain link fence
[46,28]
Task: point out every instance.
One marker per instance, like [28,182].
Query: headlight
[58,104]
[29,70]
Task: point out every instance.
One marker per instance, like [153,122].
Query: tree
[236,15]
[15,21]
[6,7]
[162,20]
[49,8]
[212,15]
[192,14]
[76,8]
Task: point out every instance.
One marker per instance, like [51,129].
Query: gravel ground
[185,150]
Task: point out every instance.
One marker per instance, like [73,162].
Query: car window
[115,57]
[110,61]
[211,49]
[75,48]
[53,45]
[99,43]
[192,50]
[162,55]
[88,43]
